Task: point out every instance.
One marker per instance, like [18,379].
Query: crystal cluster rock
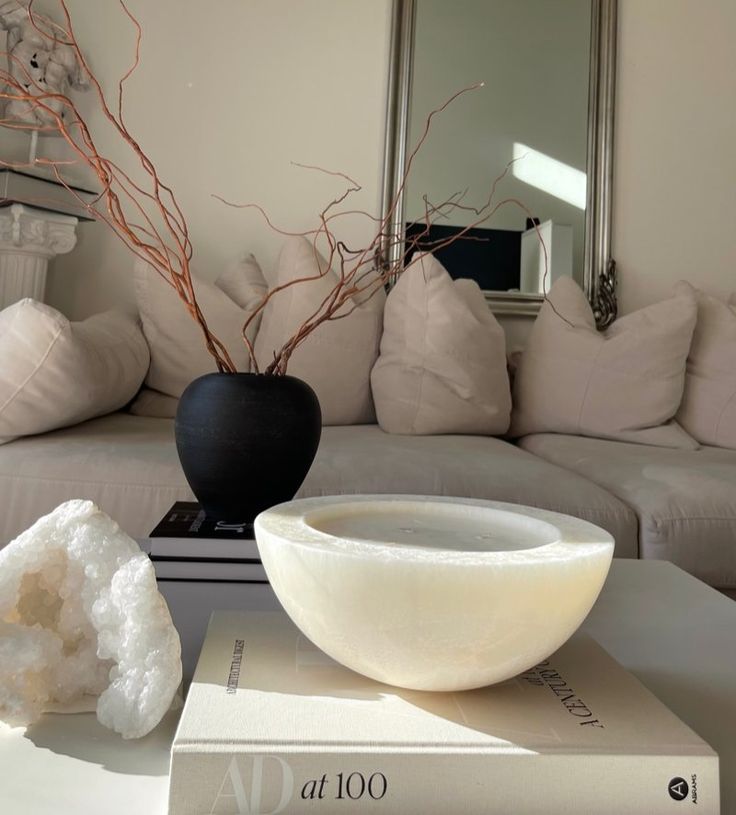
[82,624]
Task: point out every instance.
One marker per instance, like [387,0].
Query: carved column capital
[27,229]
[29,238]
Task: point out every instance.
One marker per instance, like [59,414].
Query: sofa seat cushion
[685,499]
[128,465]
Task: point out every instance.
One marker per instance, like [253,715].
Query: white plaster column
[29,238]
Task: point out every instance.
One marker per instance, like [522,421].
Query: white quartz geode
[82,622]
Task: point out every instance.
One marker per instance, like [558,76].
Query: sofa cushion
[336,359]
[708,409]
[442,367]
[685,499]
[129,467]
[55,373]
[624,383]
[155,404]
[178,351]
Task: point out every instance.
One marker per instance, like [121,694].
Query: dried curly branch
[146,217]
[363,272]
[145,214]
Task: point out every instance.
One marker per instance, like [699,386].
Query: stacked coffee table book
[272,724]
[189,547]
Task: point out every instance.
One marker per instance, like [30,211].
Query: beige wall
[226,96]
[675,192]
[224,102]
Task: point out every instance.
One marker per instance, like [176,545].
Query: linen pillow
[442,367]
[708,410]
[625,383]
[55,373]
[155,405]
[335,360]
[178,352]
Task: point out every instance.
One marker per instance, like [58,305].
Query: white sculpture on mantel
[83,625]
[38,63]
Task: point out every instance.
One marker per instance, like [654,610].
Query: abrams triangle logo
[678,789]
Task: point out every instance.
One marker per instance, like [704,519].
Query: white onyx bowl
[438,594]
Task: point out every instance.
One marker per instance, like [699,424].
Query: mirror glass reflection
[532,113]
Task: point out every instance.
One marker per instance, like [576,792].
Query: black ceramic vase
[246,441]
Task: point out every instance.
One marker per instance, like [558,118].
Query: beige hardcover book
[272,725]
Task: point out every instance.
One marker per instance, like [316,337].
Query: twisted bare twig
[162,237]
[147,218]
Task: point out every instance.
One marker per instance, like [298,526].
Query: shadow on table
[82,737]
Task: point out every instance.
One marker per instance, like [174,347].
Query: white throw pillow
[442,367]
[155,405]
[335,360]
[624,383]
[178,351]
[708,410]
[54,373]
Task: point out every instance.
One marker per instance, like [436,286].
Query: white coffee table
[676,634]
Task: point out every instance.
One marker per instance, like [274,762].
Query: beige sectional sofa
[435,370]
[656,502]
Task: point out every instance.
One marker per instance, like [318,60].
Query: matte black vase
[246,441]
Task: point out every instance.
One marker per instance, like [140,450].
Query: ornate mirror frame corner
[599,275]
